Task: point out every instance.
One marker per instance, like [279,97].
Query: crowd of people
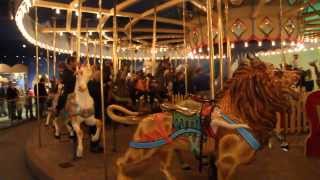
[14,101]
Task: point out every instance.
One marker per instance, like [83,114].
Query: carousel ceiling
[248,20]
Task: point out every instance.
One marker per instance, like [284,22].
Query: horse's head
[84,74]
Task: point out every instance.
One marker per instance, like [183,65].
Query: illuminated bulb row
[295,50]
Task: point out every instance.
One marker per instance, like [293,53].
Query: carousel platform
[54,160]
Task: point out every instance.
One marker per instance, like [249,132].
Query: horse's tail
[129,117]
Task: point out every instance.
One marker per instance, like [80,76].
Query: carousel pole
[283,57]
[54,47]
[37,76]
[154,41]
[79,31]
[95,53]
[115,41]
[220,37]
[87,42]
[130,46]
[102,97]
[48,63]
[185,47]
[211,48]
[229,55]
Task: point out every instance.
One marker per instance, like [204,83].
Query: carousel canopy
[62,22]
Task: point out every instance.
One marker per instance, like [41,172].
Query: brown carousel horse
[251,97]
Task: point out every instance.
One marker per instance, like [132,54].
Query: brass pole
[48,63]
[154,41]
[211,48]
[87,42]
[37,76]
[102,97]
[185,47]
[79,30]
[115,41]
[283,58]
[130,46]
[54,47]
[229,55]
[95,53]
[220,37]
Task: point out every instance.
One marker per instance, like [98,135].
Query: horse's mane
[252,95]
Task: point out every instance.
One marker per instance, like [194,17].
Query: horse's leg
[69,128]
[165,164]
[232,152]
[48,118]
[132,157]
[56,128]
[76,126]
[92,121]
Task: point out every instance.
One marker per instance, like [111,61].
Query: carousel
[225,100]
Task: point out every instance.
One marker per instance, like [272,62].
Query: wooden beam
[295,10]
[315,13]
[166,36]
[148,12]
[94,29]
[199,5]
[313,21]
[93,10]
[311,26]
[258,8]
[159,30]
[69,14]
[170,41]
[119,7]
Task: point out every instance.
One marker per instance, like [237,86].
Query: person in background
[43,96]
[295,61]
[12,96]
[28,104]
[68,79]
[95,92]
[2,101]
[20,103]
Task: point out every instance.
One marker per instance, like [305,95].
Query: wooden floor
[270,164]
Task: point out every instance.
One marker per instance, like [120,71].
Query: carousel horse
[316,71]
[79,108]
[251,97]
[51,113]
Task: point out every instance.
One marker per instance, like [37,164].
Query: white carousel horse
[51,112]
[79,108]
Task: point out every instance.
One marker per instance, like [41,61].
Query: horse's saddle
[181,109]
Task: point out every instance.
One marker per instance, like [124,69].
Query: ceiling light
[57,11]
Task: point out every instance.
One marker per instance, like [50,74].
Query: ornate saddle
[181,109]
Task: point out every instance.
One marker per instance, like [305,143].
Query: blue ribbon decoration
[248,137]
[161,142]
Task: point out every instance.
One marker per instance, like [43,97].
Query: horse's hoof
[57,136]
[77,158]
[185,167]
[96,150]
